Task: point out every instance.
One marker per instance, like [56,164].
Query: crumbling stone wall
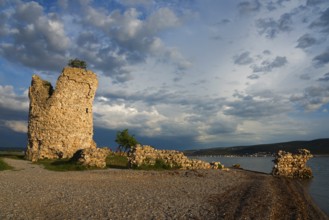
[292,165]
[61,120]
[147,155]
[91,157]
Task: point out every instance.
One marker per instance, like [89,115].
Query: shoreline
[31,192]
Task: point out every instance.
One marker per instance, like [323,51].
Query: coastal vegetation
[117,160]
[4,165]
[77,63]
[61,165]
[125,141]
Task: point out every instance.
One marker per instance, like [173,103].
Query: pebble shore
[31,192]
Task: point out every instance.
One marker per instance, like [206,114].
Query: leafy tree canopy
[125,140]
[77,63]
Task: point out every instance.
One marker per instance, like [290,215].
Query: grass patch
[118,161]
[19,155]
[62,165]
[4,166]
[158,165]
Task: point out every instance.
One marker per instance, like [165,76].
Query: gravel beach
[31,192]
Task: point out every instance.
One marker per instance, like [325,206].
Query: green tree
[125,140]
[77,63]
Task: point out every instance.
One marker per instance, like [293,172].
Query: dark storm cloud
[322,58]
[35,37]
[107,40]
[225,21]
[248,107]
[12,139]
[249,6]
[322,22]
[159,96]
[266,52]
[271,28]
[325,78]
[253,76]
[314,2]
[285,22]
[268,66]
[313,97]
[129,38]
[242,59]
[305,77]
[14,112]
[221,127]
[11,101]
[306,41]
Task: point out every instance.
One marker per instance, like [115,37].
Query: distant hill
[19,149]
[318,147]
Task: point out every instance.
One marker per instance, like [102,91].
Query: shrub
[77,63]
[125,140]
[4,166]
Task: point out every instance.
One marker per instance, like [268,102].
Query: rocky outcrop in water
[61,120]
[292,165]
[147,155]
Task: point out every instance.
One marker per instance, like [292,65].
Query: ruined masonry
[147,155]
[292,165]
[61,120]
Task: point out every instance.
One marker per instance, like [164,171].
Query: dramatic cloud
[268,66]
[322,22]
[110,41]
[325,77]
[249,6]
[34,37]
[243,58]
[314,2]
[11,101]
[322,58]
[258,105]
[306,41]
[305,77]
[170,70]
[313,97]
[253,76]
[271,28]
[17,126]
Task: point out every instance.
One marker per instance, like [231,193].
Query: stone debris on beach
[147,155]
[292,165]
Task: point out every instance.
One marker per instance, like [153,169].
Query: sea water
[318,186]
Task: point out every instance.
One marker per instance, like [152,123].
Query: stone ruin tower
[61,120]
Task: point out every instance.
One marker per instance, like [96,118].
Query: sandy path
[32,192]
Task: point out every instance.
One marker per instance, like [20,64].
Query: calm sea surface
[318,186]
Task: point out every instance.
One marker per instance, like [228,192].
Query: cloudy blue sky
[178,74]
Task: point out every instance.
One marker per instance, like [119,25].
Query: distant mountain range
[317,147]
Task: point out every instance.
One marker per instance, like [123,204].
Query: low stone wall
[147,155]
[292,165]
[91,157]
